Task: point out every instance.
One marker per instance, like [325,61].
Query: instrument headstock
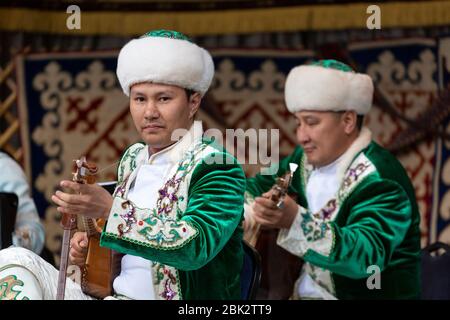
[279,189]
[84,171]
[281,186]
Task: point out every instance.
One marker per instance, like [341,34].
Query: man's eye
[164,99]
[139,99]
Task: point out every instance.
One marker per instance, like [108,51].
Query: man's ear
[349,119]
[194,103]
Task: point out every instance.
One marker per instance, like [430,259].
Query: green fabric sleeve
[367,230]
[214,211]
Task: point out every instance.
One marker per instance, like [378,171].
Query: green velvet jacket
[372,221]
[194,233]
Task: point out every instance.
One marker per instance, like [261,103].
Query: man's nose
[151,111]
[302,135]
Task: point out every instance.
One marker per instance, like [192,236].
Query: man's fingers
[266,203]
[79,192]
[263,221]
[267,194]
[77,255]
[76,260]
[77,187]
[261,210]
[65,207]
[68,198]
[59,201]
[79,246]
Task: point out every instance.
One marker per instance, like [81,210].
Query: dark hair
[189,93]
[359,121]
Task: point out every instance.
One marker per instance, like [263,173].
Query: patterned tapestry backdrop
[71,105]
[406,73]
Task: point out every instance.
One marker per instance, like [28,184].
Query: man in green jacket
[355,221]
[177,210]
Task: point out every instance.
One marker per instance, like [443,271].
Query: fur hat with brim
[328,85]
[166,57]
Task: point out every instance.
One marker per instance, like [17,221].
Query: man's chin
[157,141]
[312,161]
[158,145]
[154,142]
[153,138]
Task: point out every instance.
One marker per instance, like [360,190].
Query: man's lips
[152,127]
[308,149]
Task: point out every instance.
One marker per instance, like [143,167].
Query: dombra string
[105,168]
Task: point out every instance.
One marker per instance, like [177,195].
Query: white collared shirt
[322,186]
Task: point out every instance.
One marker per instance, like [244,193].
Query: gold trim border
[196,23]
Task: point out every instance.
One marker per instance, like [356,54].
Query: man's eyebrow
[154,94]
[310,117]
[137,93]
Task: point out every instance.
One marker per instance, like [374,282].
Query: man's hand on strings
[266,212]
[84,199]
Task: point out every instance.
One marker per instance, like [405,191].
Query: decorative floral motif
[306,170]
[161,224]
[162,229]
[315,226]
[7,285]
[321,276]
[158,272]
[128,217]
[129,160]
[327,211]
[354,173]
[313,229]
[120,189]
[168,193]
[168,293]
[163,274]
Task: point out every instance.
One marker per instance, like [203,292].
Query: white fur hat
[166,57]
[328,85]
